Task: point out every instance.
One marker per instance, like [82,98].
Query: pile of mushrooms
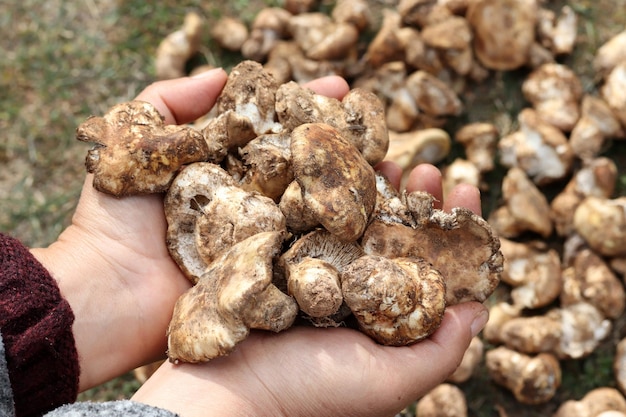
[275,211]
[562,284]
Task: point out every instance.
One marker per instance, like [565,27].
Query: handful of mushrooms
[275,211]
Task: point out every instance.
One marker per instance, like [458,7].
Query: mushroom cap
[535,274]
[555,92]
[592,280]
[602,223]
[250,92]
[311,267]
[539,148]
[526,207]
[532,380]
[337,183]
[395,301]
[207,213]
[612,91]
[267,165]
[231,215]
[610,54]
[191,189]
[439,238]
[135,152]
[230,33]
[504,31]
[443,400]
[409,149]
[233,295]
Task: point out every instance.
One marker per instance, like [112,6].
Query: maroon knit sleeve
[36,326]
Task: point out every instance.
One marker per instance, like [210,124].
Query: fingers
[426,177]
[183,100]
[437,357]
[391,171]
[331,86]
[463,195]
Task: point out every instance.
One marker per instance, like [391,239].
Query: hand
[325,372]
[112,264]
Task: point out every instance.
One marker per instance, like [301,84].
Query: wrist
[205,389]
[108,340]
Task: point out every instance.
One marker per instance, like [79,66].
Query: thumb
[183,100]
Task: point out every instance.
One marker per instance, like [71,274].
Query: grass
[63,61]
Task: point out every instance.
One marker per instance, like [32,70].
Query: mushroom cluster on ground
[563,271]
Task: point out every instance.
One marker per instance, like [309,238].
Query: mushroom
[267,165]
[321,38]
[270,25]
[409,149]
[460,171]
[408,226]
[300,218]
[359,116]
[619,366]
[525,208]
[596,403]
[452,38]
[597,177]
[591,280]
[230,33]
[234,294]
[539,148]
[386,45]
[421,13]
[558,33]
[299,6]
[534,274]
[338,185]
[471,359]
[480,141]
[555,92]
[602,223]
[445,400]
[569,332]
[354,12]
[499,313]
[178,47]
[504,31]
[610,54]
[531,379]
[596,124]
[396,302]
[135,152]
[311,269]
[207,213]
[433,96]
[612,91]
[250,92]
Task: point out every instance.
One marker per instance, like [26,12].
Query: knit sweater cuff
[36,325]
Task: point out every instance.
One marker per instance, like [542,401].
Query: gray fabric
[109,409]
[7,408]
[104,409]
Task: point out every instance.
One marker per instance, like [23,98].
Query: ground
[63,61]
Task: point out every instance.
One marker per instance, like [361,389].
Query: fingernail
[479,322]
[207,73]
